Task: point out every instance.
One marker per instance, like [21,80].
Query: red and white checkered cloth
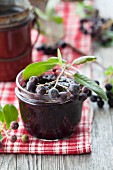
[78,143]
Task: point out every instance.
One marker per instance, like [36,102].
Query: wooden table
[101,157]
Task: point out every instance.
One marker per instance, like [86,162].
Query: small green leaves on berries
[25,138]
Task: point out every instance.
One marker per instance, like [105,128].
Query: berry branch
[8,122]
[63,69]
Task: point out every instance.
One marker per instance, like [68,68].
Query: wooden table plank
[8,162]
[28,162]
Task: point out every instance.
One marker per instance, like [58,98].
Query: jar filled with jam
[16,21]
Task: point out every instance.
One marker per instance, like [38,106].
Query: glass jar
[16,22]
[47,120]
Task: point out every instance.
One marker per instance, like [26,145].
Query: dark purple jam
[50,121]
[50,112]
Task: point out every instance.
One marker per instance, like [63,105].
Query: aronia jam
[45,118]
[15,40]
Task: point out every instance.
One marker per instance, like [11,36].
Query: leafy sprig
[8,114]
[36,69]
[8,122]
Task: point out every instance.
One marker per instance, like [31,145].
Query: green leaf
[89,7]
[59,56]
[83,60]
[57,19]
[1,137]
[109,70]
[1,115]
[10,114]
[41,14]
[90,84]
[36,69]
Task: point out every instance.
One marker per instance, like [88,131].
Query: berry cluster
[99,100]
[96,98]
[51,49]
[98,28]
[109,93]
[58,89]
[13,138]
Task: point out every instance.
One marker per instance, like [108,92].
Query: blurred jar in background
[16,21]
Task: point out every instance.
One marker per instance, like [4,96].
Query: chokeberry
[109,94]
[108,86]
[82,96]
[83,20]
[30,86]
[85,31]
[110,102]
[41,47]
[48,50]
[96,81]
[85,90]
[14,125]
[89,93]
[61,44]
[81,28]
[74,97]
[25,138]
[41,90]
[13,138]
[62,96]
[53,93]
[34,79]
[100,103]
[74,88]
[62,79]
[93,98]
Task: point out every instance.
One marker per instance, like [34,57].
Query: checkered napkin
[78,143]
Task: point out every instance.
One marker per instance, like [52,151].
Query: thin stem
[6,132]
[77,50]
[46,83]
[96,62]
[60,75]
[63,87]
